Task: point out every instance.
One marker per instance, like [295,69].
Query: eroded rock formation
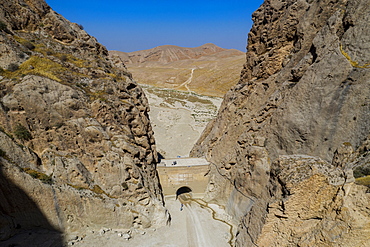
[289,133]
[75,135]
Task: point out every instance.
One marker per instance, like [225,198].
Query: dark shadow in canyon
[22,220]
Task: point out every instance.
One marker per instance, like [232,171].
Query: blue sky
[144,24]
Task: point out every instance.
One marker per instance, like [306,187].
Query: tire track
[194,226]
[188,81]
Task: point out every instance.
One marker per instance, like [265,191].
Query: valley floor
[193,226]
[178,118]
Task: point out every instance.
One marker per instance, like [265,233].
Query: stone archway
[183,190]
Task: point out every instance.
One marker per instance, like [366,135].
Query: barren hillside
[207,70]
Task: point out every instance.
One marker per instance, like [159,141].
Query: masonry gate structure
[183,174]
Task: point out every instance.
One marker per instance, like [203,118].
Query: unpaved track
[197,235]
[188,81]
[199,232]
[191,227]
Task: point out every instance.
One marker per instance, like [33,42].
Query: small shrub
[363,181]
[124,185]
[63,58]
[59,125]
[13,67]
[81,27]
[28,45]
[22,133]
[5,108]
[39,175]
[3,27]
[45,179]
[361,171]
[110,91]
[2,153]
[43,67]
[98,190]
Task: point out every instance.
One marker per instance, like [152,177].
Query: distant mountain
[207,69]
[170,53]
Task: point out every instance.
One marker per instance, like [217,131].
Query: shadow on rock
[21,221]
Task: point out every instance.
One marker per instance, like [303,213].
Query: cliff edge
[76,145]
[287,137]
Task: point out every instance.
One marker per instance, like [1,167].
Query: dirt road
[191,227]
[188,81]
[194,226]
[200,232]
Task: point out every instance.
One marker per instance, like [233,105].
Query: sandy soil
[178,125]
[191,227]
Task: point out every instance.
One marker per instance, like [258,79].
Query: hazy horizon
[140,25]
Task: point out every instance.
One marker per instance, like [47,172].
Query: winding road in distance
[188,81]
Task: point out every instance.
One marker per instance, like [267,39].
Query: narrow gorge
[288,151]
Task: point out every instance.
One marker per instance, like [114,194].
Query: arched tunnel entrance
[183,178]
[183,190]
[184,195]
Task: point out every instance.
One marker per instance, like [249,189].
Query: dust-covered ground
[193,226]
[178,119]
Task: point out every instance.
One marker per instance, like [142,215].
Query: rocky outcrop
[315,206]
[304,93]
[75,134]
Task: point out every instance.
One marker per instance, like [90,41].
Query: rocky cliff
[76,145]
[288,135]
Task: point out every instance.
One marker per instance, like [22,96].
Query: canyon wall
[76,145]
[288,135]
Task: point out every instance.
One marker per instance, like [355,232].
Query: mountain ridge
[207,70]
[170,53]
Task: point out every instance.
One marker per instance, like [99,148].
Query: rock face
[76,143]
[287,136]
